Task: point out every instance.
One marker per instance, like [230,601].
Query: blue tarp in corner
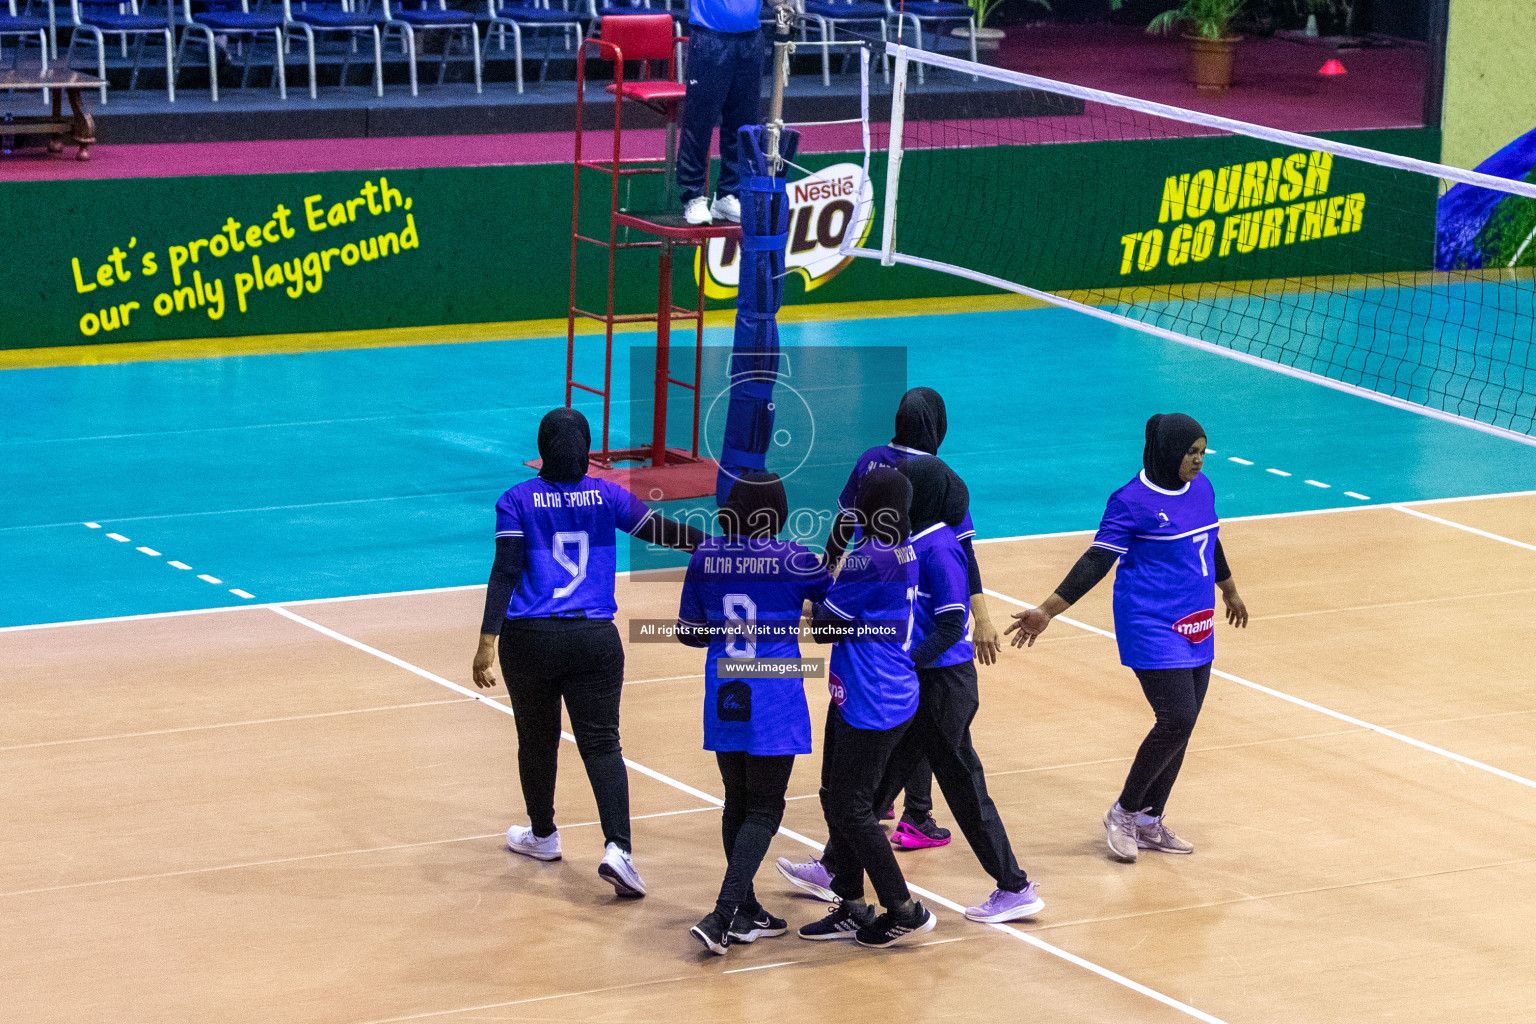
[755,350]
[1479,227]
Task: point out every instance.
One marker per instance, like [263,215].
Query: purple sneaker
[1003,905]
[809,877]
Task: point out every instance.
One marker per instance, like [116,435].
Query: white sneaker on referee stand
[726,208]
[618,870]
[696,211]
[520,839]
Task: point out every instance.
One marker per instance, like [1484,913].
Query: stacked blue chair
[434,16]
[338,17]
[99,18]
[829,15]
[939,15]
[24,28]
[537,17]
[234,20]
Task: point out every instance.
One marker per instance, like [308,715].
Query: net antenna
[784,16]
[1393,278]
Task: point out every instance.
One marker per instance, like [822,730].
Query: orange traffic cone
[1332,67]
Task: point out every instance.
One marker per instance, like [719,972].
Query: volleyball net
[1371,271]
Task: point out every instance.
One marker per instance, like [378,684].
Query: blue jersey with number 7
[568,533]
[1165,587]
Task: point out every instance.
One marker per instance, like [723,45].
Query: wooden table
[78,127]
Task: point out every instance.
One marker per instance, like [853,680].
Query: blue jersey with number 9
[568,535]
[1165,587]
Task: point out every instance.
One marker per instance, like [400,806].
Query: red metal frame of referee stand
[672,472]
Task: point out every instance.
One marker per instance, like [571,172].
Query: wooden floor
[238,816]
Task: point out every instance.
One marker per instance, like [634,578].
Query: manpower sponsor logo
[822,206]
[1197,626]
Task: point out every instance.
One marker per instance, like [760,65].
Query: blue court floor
[330,474]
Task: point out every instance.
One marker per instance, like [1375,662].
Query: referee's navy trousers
[725,88]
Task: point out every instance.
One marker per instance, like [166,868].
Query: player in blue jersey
[948,701]
[867,615]
[921,423]
[1162,528]
[742,599]
[550,601]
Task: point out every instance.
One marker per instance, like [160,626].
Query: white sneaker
[1120,831]
[618,870]
[520,839]
[726,208]
[696,211]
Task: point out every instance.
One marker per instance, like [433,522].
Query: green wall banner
[239,255]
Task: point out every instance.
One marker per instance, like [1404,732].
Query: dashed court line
[244,595]
[1276,471]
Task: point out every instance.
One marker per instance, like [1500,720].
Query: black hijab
[1169,435]
[564,441]
[938,493]
[756,507]
[884,496]
[921,421]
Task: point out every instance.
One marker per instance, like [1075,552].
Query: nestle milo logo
[822,208]
[1217,212]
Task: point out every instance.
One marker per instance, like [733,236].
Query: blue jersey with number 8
[1165,587]
[568,533]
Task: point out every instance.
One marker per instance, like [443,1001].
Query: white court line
[1310,706]
[118,537]
[242,865]
[1357,494]
[1318,483]
[1468,529]
[763,967]
[1240,462]
[150,551]
[1277,472]
[663,679]
[209,579]
[715,801]
[146,616]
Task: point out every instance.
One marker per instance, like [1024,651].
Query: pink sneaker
[922,836]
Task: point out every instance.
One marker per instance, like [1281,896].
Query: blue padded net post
[755,349]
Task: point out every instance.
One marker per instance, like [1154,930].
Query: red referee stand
[655,470]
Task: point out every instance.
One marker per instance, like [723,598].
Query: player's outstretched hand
[1026,626]
[984,637]
[1237,611]
[485,661]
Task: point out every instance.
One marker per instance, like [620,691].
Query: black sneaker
[747,927]
[892,930]
[843,920]
[714,932]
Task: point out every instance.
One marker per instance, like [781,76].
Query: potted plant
[1207,28]
[987,38]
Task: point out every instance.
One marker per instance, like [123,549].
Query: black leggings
[1176,695]
[940,734]
[582,661]
[917,804]
[852,763]
[754,807]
